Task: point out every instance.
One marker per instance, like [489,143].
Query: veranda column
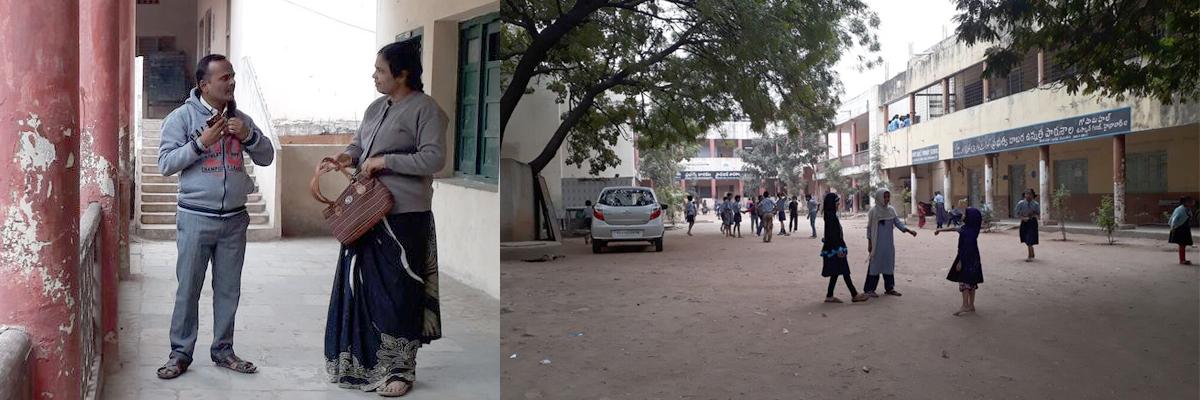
[39,187]
[99,146]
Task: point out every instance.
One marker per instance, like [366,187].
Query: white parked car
[627,214]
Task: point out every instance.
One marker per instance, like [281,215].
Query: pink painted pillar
[716,194]
[839,149]
[683,184]
[99,147]
[854,139]
[712,147]
[39,188]
[125,130]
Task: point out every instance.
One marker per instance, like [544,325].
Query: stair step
[169,218]
[160,188]
[172,198]
[152,124]
[160,179]
[171,207]
[150,151]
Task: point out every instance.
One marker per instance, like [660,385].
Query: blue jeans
[201,239]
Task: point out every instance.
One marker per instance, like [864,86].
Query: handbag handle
[314,186]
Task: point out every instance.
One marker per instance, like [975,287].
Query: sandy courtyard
[717,318]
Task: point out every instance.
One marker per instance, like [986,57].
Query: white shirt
[211,111]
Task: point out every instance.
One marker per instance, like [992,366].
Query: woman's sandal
[404,388]
[833,300]
[859,298]
[172,369]
[235,363]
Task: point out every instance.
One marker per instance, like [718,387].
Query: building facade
[985,141]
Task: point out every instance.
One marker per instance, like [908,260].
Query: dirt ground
[718,318]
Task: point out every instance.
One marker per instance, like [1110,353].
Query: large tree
[781,155]
[661,166]
[1145,48]
[671,69]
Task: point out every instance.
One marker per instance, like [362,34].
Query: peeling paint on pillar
[96,172]
[99,109]
[39,195]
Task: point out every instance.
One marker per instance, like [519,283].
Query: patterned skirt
[384,304]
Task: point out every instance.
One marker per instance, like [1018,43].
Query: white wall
[529,129]
[310,67]
[468,231]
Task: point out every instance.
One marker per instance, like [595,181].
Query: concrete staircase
[156,194]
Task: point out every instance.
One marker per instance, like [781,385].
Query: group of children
[966,269]
[881,219]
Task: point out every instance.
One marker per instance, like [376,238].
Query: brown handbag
[360,206]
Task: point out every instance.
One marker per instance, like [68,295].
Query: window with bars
[1146,172]
[477,135]
[1073,174]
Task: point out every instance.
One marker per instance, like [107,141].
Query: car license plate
[627,234]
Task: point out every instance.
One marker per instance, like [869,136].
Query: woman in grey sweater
[384,304]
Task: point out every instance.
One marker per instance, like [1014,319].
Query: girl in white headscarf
[881,245]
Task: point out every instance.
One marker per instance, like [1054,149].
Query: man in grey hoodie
[204,141]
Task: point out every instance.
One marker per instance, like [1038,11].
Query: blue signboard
[1104,123]
[926,154]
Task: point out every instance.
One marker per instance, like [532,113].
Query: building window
[1146,172]
[477,136]
[1073,174]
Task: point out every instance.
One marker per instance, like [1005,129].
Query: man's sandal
[235,363]
[173,368]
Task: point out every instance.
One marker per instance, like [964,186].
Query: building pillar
[912,109]
[946,181]
[741,187]
[1041,67]
[912,179]
[945,96]
[683,184]
[989,167]
[1044,180]
[986,87]
[712,147]
[99,146]
[716,194]
[886,117]
[125,123]
[839,142]
[1119,179]
[854,140]
[39,189]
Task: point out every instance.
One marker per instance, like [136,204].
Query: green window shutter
[490,146]
[466,136]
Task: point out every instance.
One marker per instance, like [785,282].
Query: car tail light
[655,214]
[599,215]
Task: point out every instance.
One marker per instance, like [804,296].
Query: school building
[717,169]
[986,140]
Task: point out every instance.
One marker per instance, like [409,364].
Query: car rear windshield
[627,198]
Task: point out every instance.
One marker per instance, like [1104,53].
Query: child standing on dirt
[967,269]
[690,214]
[1181,227]
[833,253]
[737,215]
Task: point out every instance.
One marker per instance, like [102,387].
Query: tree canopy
[1145,48]
[777,154]
[671,69]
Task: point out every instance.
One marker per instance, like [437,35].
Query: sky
[920,22]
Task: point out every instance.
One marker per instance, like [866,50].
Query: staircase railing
[252,102]
[89,295]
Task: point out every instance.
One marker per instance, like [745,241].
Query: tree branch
[589,98]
